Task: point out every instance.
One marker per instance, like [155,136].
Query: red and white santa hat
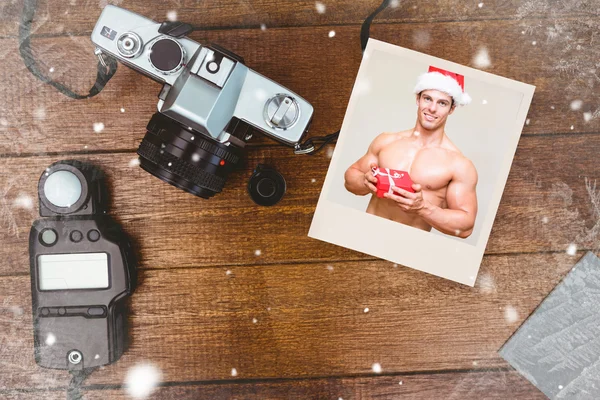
[444,81]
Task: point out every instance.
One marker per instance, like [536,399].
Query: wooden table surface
[291,318]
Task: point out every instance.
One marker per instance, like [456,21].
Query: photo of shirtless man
[444,179]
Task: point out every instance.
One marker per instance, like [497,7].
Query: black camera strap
[106,68]
[77,378]
[308,147]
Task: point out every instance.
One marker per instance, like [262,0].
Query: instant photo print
[422,159]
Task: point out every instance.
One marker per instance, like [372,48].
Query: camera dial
[166,55]
[281,111]
[129,45]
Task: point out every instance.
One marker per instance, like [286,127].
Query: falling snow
[394,3]
[320,7]
[400,383]
[51,69]
[330,268]
[23,201]
[39,113]
[98,127]
[366,310]
[576,105]
[134,162]
[487,284]
[482,58]
[510,314]
[484,102]
[257,252]
[534,43]
[587,116]
[254,320]
[172,15]
[480,5]
[376,368]
[331,34]
[313,180]
[572,249]
[141,380]
[234,372]
[228,272]
[263,27]
[50,339]
[527,121]
[421,38]
[195,157]
[3,122]
[545,220]
[122,110]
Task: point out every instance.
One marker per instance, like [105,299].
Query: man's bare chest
[431,168]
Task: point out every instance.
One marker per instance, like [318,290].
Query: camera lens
[166,55]
[266,186]
[186,159]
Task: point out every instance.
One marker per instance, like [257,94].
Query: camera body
[82,271]
[207,91]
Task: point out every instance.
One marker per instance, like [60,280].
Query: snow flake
[400,383]
[254,320]
[39,113]
[376,368]
[195,157]
[98,127]
[552,107]
[331,34]
[330,268]
[572,249]
[545,220]
[366,310]
[3,122]
[257,252]
[313,180]
[23,201]
[122,110]
[534,43]
[487,284]
[234,372]
[51,69]
[576,105]
[320,7]
[263,27]
[560,387]
[511,314]
[480,5]
[172,15]
[484,102]
[394,3]
[482,58]
[572,127]
[97,356]
[170,164]
[421,38]
[141,380]
[527,121]
[475,363]
[228,272]
[134,162]
[587,116]
[50,339]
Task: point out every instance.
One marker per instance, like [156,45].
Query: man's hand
[370,180]
[407,201]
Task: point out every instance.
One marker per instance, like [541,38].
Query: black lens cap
[266,186]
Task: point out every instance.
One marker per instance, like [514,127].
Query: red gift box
[388,178]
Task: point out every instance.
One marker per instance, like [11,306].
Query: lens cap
[266,186]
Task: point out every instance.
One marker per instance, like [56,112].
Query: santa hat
[444,81]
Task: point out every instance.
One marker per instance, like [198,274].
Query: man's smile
[429,117]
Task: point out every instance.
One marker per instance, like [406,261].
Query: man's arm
[359,178]
[461,197]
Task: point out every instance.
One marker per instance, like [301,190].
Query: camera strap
[106,67]
[77,378]
[308,147]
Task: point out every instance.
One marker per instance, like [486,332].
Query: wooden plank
[38,118]
[458,385]
[547,206]
[56,18]
[302,320]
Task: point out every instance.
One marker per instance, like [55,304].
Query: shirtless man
[444,179]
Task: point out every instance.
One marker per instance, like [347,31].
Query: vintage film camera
[82,271]
[208,105]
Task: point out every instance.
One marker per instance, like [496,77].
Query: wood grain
[197,324]
[59,18]
[452,386]
[547,206]
[38,119]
